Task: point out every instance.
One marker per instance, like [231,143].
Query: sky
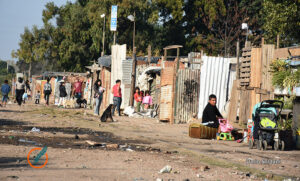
[15,15]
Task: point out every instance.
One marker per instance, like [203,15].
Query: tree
[75,39]
[32,46]
[214,25]
[282,17]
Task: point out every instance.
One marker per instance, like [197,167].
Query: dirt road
[144,147]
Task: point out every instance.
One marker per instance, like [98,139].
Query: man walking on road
[116,91]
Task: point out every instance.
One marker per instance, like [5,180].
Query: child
[37,97]
[25,97]
[147,100]
[137,99]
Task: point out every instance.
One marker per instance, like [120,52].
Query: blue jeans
[78,95]
[4,98]
[98,104]
[117,104]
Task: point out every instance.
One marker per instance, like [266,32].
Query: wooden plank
[261,91]
[246,49]
[244,107]
[245,75]
[245,59]
[267,58]
[256,63]
[245,65]
[245,70]
[234,98]
[245,54]
[245,80]
[294,51]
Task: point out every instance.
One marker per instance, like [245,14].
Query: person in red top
[116,91]
[78,88]
[137,99]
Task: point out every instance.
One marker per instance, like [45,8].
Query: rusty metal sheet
[187,97]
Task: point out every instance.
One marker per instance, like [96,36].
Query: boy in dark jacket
[211,112]
[5,89]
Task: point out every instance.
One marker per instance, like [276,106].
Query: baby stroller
[265,130]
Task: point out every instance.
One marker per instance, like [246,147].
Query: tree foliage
[71,36]
[284,76]
[282,17]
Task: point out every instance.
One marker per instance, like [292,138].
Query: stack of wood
[254,84]
[245,69]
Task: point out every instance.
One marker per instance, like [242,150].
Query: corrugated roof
[105,61]
[47,74]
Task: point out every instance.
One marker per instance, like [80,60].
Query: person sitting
[147,100]
[211,113]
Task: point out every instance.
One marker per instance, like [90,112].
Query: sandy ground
[145,147]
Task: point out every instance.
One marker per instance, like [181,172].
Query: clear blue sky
[15,15]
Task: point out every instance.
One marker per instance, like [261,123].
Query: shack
[38,82]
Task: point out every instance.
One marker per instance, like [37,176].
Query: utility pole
[237,59]
[277,41]
[149,54]
[133,64]
[103,36]
[114,37]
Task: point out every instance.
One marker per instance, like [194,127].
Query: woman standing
[62,94]
[20,89]
[98,89]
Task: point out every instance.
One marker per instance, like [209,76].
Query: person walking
[5,89]
[20,90]
[116,91]
[62,94]
[98,89]
[47,91]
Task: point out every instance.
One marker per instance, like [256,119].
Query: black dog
[81,101]
[107,116]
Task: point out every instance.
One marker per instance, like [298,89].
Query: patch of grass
[225,164]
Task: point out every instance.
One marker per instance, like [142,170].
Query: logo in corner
[38,157]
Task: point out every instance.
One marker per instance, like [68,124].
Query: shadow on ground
[20,137]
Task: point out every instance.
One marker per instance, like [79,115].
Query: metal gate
[187,95]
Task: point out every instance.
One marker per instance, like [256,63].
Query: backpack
[47,87]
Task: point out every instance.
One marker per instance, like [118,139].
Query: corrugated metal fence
[214,79]
[187,98]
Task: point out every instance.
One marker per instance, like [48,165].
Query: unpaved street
[128,149]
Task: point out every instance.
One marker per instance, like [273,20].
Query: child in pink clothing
[147,100]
